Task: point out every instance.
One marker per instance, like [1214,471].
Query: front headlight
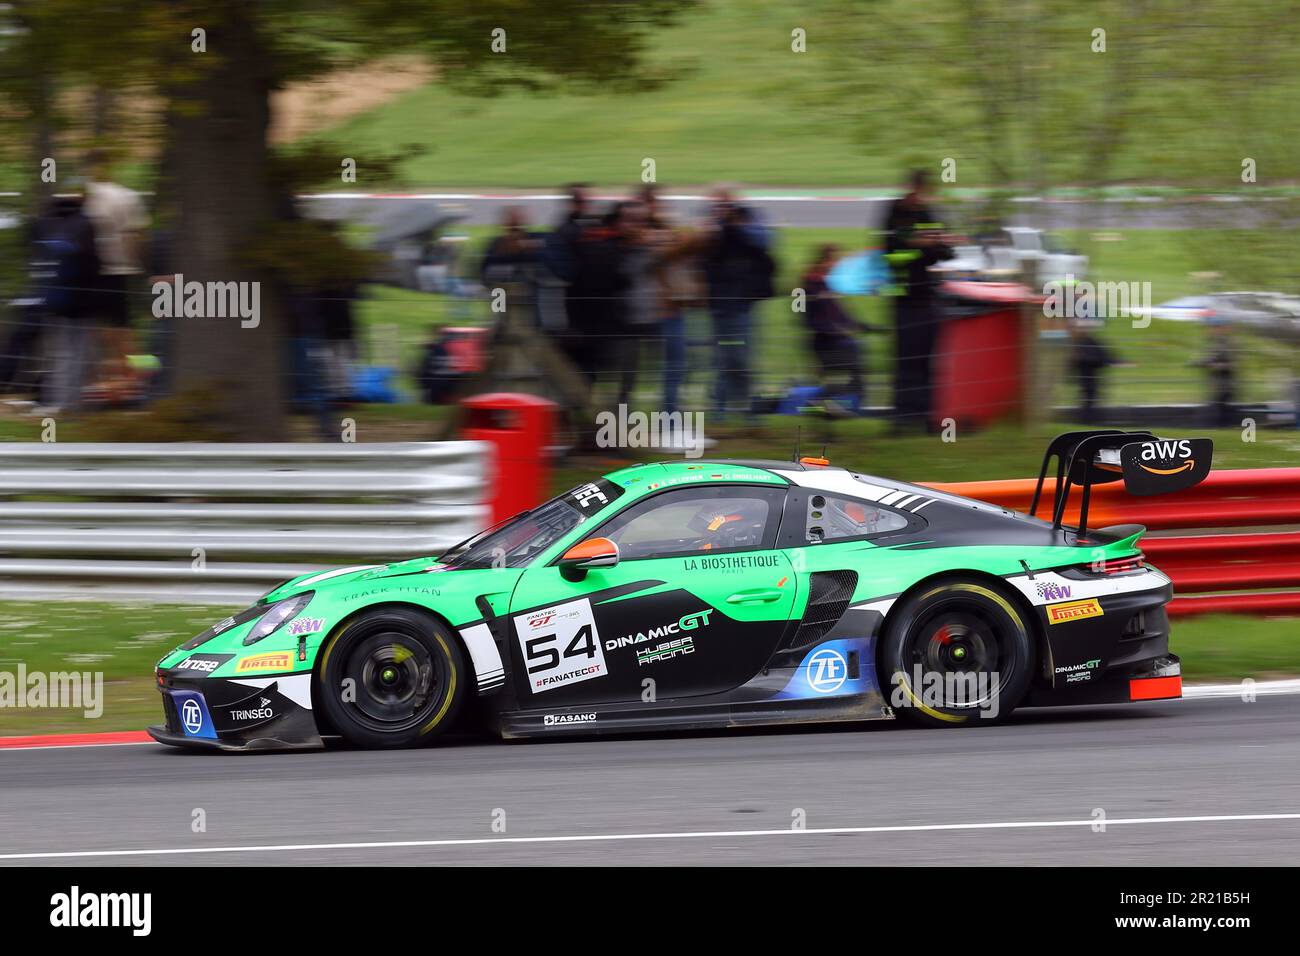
[277,614]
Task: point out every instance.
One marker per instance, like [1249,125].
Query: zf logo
[827,671]
[191,716]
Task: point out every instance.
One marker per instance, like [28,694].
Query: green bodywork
[455,595]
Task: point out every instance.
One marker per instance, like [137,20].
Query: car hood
[335,594]
[340,577]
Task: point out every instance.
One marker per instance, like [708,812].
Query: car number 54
[560,645]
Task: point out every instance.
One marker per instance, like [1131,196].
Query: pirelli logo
[1073,611]
[278,661]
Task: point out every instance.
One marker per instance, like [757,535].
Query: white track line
[623,837]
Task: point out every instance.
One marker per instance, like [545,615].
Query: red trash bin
[980,362]
[520,428]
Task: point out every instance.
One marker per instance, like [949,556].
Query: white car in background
[1017,250]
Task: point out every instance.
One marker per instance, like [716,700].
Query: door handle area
[756,596]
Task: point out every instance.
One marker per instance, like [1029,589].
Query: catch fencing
[1230,544]
[223,523]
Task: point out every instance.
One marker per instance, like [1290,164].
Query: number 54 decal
[560,645]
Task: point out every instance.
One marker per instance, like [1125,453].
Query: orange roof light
[818,462]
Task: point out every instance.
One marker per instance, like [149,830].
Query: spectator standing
[914,241]
[558,264]
[1220,364]
[71,298]
[680,288]
[640,242]
[738,270]
[597,298]
[120,224]
[1089,358]
[832,328]
[512,255]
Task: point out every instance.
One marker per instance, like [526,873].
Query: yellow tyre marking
[325,658]
[923,708]
[451,664]
[451,691]
[974,589]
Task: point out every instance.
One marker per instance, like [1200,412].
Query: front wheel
[955,652]
[392,677]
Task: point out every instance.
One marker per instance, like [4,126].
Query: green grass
[878,90]
[1231,647]
[123,642]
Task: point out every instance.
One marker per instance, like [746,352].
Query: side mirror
[585,555]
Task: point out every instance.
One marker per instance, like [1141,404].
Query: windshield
[521,538]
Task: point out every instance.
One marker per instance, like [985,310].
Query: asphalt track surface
[685,799]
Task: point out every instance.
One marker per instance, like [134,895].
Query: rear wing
[1147,465]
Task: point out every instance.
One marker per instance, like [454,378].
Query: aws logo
[1162,465]
[1165,452]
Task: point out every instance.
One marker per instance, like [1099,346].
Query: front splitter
[164,736]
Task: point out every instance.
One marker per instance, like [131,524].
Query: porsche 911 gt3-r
[708,595]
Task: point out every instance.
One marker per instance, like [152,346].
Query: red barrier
[1201,565]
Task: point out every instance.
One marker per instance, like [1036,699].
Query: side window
[697,521]
[831,517]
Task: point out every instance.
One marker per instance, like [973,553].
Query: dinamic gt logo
[687,622]
[827,671]
[191,716]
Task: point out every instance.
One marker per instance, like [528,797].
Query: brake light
[1121,565]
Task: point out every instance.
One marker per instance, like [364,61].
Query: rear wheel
[955,652]
[392,677]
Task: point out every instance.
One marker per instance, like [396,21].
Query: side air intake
[829,593]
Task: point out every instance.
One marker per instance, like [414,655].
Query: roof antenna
[797,430]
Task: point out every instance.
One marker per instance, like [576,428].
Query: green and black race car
[708,595]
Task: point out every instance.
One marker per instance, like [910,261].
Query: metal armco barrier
[1257,572]
[214,523]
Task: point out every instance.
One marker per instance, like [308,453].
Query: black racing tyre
[392,677]
[956,653]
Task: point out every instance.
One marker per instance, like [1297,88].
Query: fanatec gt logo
[688,622]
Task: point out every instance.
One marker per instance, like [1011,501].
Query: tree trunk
[225,197]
